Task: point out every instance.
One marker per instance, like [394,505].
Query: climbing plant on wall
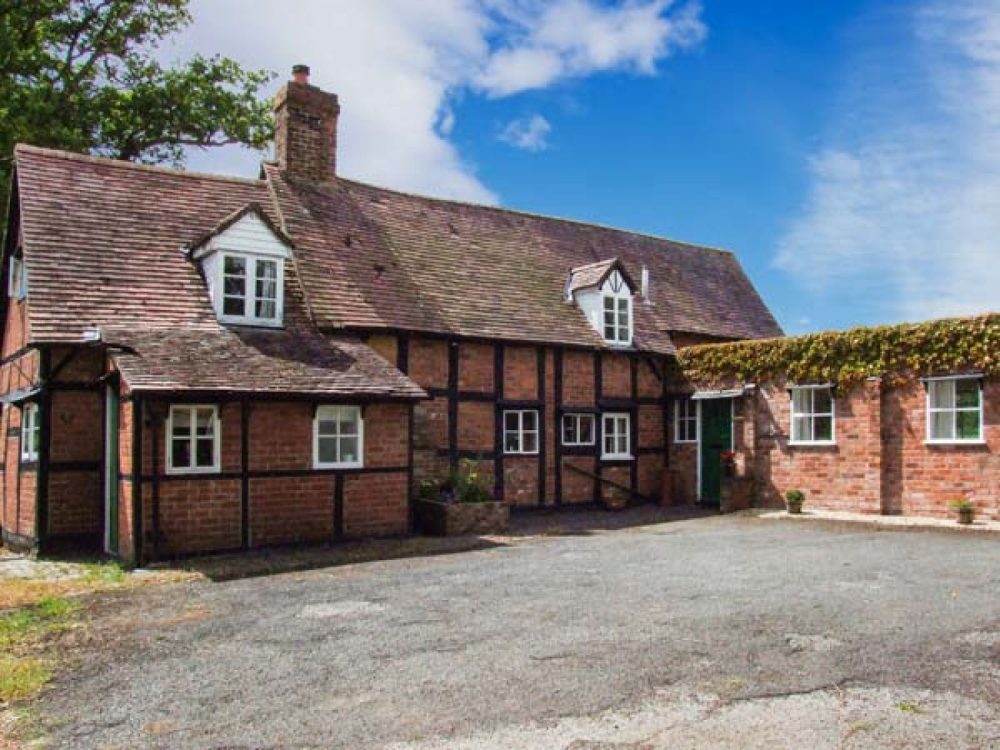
[843,357]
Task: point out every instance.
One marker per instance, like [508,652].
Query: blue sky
[848,151]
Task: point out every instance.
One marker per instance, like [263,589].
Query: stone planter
[458,519]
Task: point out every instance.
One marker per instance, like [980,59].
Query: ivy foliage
[894,353]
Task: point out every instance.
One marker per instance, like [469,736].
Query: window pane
[967,393]
[942,425]
[529,420]
[823,428]
[822,401]
[180,456]
[349,449]
[801,429]
[623,308]
[586,429]
[328,427]
[609,444]
[511,442]
[233,306]
[266,309]
[967,425]
[622,444]
[529,444]
[942,393]
[234,286]
[510,421]
[205,452]
[206,422]
[327,450]
[348,421]
[800,401]
[569,429]
[609,306]
[235,265]
[181,419]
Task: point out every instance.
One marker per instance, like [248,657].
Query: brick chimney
[305,134]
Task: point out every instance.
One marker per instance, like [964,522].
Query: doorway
[716,439]
[111,424]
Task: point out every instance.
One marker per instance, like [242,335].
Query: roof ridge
[122,164]
[536,215]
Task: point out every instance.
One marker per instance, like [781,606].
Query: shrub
[464,484]
[962,504]
[795,497]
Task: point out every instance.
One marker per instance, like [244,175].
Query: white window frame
[576,418]
[520,431]
[193,439]
[250,297]
[930,383]
[812,414]
[328,412]
[616,418]
[17,279]
[30,432]
[692,413]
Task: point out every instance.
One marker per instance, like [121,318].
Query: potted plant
[728,459]
[461,503]
[965,509]
[794,500]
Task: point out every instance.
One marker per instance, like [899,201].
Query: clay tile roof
[593,274]
[255,361]
[105,243]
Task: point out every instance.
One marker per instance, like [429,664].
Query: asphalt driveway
[722,632]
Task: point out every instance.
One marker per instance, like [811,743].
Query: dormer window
[243,260]
[250,288]
[617,311]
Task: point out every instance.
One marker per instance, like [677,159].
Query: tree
[81,75]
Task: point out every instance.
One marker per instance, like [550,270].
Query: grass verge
[24,670]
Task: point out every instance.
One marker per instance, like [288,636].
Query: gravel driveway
[721,632]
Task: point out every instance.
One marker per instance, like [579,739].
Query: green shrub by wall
[896,352]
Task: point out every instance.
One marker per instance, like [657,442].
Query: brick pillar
[871,501]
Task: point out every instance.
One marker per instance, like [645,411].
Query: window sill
[577,445]
[244,323]
[811,443]
[685,442]
[958,443]
[352,465]
[616,457]
[521,453]
[199,470]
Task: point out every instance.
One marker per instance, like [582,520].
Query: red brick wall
[880,462]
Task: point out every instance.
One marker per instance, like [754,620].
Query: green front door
[111,426]
[716,439]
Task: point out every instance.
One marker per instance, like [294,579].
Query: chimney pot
[300,74]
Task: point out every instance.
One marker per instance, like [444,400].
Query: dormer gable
[604,292]
[243,262]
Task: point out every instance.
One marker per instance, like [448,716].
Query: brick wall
[879,464]
[477,403]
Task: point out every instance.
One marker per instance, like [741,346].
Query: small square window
[251,289]
[338,437]
[812,415]
[954,410]
[616,429]
[578,429]
[192,439]
[520,431]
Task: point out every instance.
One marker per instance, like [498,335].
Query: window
[520,431]
[251,289]
[812,415]
[954,410]
[616,435]
[17,280]
[338,437]
[29,433]
[193,439]
[686,421]
[617,310]
[578,429]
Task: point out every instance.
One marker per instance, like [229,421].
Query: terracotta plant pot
[966,515]
[794,508]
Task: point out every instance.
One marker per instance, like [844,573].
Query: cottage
[194,363]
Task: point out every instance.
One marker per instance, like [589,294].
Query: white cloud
[903,214]
[527,133]
[399,65]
